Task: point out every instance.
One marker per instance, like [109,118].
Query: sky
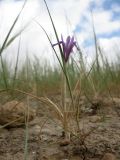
[70,17]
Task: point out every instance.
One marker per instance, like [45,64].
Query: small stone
[64,142]
[109,156]
[95,119]
[35,130]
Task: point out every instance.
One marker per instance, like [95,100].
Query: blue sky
[110,9]
[70,16]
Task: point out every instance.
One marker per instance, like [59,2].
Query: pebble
[109,156]
[95,119]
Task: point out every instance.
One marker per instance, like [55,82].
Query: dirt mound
[13,113]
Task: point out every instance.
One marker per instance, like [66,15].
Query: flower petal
[67,41]
[67,46]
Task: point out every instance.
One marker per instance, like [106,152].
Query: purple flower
[67,46]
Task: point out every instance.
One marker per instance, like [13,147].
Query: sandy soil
[45,136]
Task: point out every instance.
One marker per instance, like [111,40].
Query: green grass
[33,76]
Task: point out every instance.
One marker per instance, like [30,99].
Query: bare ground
[45,136]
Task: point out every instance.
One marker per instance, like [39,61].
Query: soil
[45,135]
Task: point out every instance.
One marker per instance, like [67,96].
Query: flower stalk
[67,49]
[64,104]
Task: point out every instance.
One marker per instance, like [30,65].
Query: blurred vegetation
[41,78]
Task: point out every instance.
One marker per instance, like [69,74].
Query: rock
[95,119]
[35,130]
[64,142]
[109,156]
[47,131]
[14,113]
[86,110]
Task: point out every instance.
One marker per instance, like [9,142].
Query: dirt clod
[13,113]
[109,156]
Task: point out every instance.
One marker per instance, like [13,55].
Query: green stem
[65,108]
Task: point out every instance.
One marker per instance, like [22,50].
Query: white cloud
[34,39]
[74,9]
[67,15]
[110,47]
[104,23]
